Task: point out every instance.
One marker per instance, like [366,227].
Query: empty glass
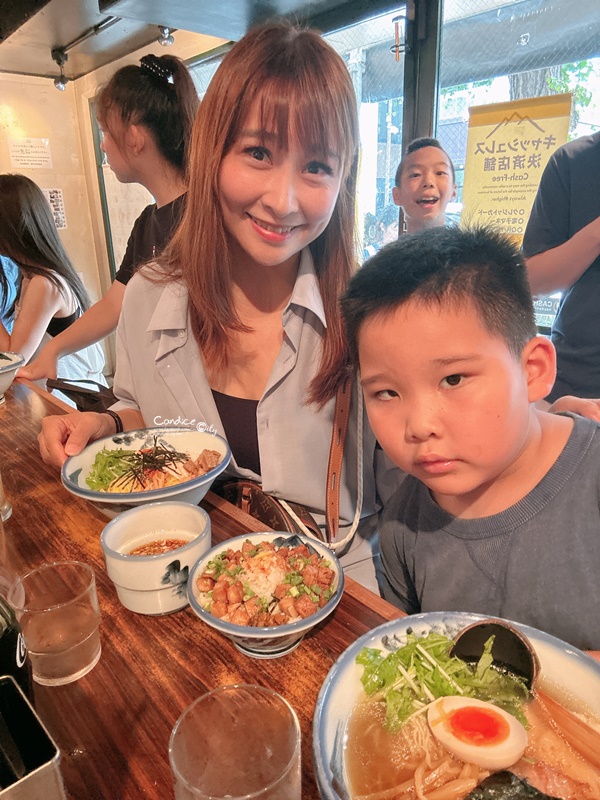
[238,742]
[5,506]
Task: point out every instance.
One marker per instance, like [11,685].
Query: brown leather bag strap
[336,458]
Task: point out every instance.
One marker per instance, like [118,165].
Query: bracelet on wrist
[116,417]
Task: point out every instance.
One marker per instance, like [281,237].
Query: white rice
[263,573]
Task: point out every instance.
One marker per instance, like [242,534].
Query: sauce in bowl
[157,547]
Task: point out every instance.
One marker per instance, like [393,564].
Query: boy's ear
[397,195]
[539,363]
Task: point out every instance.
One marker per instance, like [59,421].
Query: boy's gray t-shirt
[537,563]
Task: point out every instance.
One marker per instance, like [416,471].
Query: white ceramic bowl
[562,667]
[154,584]
[9,364]
[274,641]
[76,468]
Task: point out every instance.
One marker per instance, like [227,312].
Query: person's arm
[66,435]
[96,323]
[584,406]
[560,267]
[40,301]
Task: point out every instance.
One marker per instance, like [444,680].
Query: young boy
[425,184]
[499,511]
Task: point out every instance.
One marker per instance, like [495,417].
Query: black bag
[94,397]
[250,497]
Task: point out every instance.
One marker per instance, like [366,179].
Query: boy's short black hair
[475,266]
[419,144]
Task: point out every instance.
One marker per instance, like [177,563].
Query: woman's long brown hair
[28,236]
[302,89]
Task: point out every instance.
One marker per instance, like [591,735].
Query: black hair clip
[152,65]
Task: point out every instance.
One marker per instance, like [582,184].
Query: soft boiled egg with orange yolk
[477,732]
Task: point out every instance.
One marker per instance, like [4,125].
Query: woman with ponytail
[146,113]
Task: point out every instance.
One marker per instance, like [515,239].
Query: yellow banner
[508,146]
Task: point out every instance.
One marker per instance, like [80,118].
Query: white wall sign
[57,204]
[30,153]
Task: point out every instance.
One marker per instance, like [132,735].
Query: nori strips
[506,786]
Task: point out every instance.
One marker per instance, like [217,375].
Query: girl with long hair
[237,325]
[146,113]
[50,295]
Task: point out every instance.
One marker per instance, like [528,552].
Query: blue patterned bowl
[76,468]
[9,364]
[276,641]
[154,584]
[563,668]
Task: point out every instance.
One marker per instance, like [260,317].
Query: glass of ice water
[57,607]
[241,742]
[5,506]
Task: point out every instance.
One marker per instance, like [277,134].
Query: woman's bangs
[294,111]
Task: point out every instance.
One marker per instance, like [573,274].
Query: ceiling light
[165,37]
[60,57]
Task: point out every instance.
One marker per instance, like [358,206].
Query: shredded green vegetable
[107,467]
[126,470]
[415,675]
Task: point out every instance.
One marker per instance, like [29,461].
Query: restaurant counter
[113,725]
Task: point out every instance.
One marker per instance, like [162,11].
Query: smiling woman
[238,326]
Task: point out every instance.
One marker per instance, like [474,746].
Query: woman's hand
[44,366]
[583,406]
[67,435]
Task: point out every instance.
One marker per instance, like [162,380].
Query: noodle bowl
[77,469]
[348,732]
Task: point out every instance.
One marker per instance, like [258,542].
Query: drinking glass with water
[57,607]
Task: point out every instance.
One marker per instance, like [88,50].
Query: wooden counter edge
[60,405]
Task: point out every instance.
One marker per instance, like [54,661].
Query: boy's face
[448,402]
[426,188]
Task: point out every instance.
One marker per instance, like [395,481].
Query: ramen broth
[380,765]
[385,765]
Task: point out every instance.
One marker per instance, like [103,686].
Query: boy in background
[499,510]
[425,184]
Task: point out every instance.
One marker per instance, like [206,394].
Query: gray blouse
[160,371]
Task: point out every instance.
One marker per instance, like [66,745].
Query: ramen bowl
[168,538]
[267,642]
[564,672]
[77,469]
[9,364]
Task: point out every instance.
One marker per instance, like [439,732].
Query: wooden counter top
[113,725]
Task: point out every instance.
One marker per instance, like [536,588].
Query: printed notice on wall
[30,153]
[508,146]
[57,204]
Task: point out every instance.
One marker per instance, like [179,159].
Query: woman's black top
[59,324]
[238,416]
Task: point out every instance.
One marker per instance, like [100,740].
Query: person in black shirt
[146,113]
